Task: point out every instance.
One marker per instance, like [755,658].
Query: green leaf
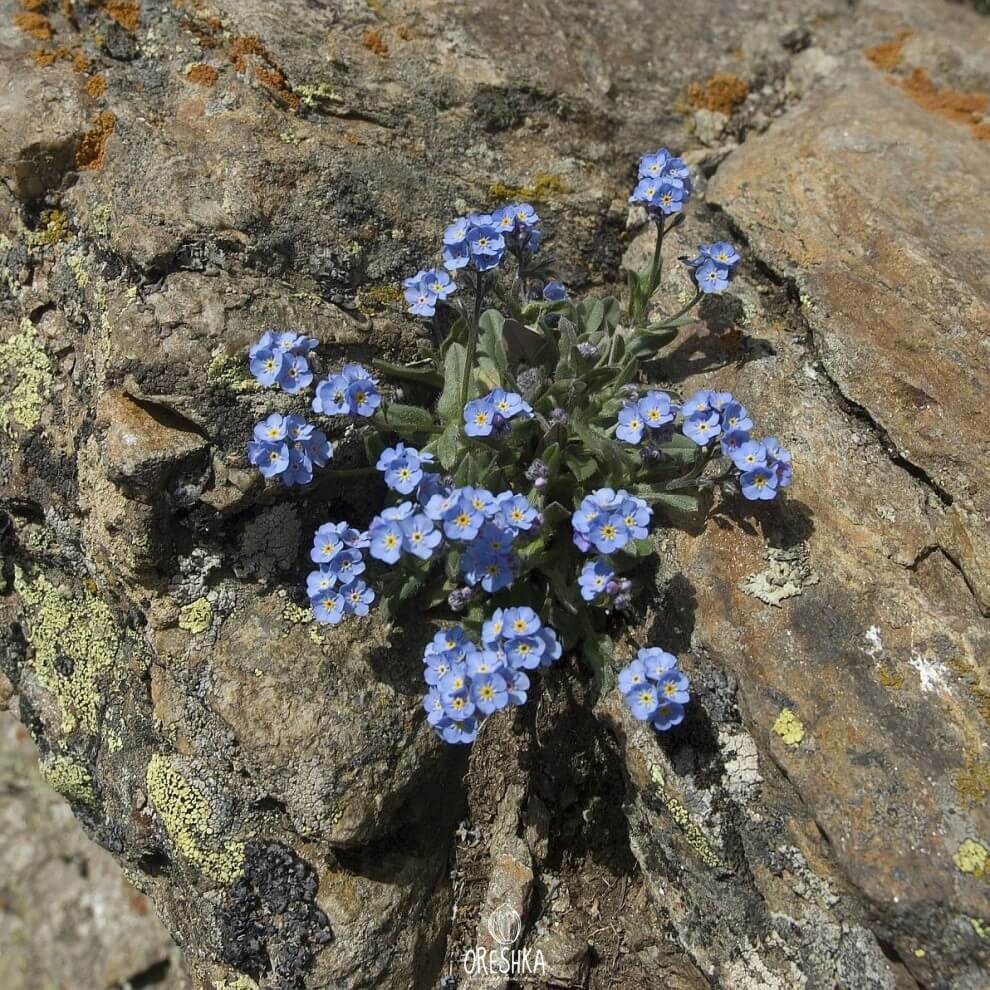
[673,500]
[639,548]
[449,404]
[410,419]
[523,341]
[581,466]
[648,342]
[421,376]
[453,563]
[373,446]
[448,446]
[490,342]
[591,314]
[598,651]
[570,358]
[677,321]
[613,313]
[555,513]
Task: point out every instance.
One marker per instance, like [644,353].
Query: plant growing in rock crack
[524,483]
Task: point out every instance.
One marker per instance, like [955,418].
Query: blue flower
[320,581]
[656,662]
[493,571]
[552,650]
[652,166]
[317,448]
[735,417]
[636,516]
[594,577]
[712,278]
[357,598]
[760,483]
[386,540]
[702,427]
[480,662]
[673,686]
[632,676]
[456,256]
[749,455]
[462,520]
[699,402]
[327,543]
[396,513]
[433,706]
[493,627]
[457,232]
[266,363]
[489,694]
[479,415]
[519,621]
[455,692]
[667,715]
[504,220]
[300,469]
[733,441]
[440,502]
[779,459]
[363,397]
[608,533]
[439,283]
[345,565]
[271,430]
[631,426]
[421,301]
[554,292]
[296,428]
[525,215]
[518,686]
[329,608]
[508,404]
[515,512]
[349,536]
[294,375]
[643,701]
[270,458]
[463,732]
[655,409]
[487,246]
[351,393]
[525,652]
[419,536]
[666,195]
[331,397]
[495,539]
[402,467]
[723,254]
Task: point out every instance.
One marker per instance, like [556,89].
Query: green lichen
[185,813]
[241,982]
[789,727]
[25,378]
[696,839]
[76,644]
[981,929]
[313,95]
[70,779]
[54,228]
[229,372]
[78,269]
[197,616]
[99,218]
[297,615]
[543,187]
[971,858]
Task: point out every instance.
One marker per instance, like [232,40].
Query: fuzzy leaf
[411,419]
[448,447]
[449,403]
[420,376]
[522,341]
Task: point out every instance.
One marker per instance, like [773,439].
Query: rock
[820,818]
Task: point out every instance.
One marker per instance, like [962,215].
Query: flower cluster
[353,392]
[652,412]
[289,448]
[664,183]
[608,519]
[478,241]
[713,266]
[764,465]
[482,526]
[655,689]
[467,682]
[281,358]
[492,412]
[334,588]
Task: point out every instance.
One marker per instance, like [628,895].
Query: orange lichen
[201,74]
[722,93]
[126,14]
[373,41]
[267,73]
[92,149]
[35,25]
[963,108]
[96,86]
[888,54]
[46,57]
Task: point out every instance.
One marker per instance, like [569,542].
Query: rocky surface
[178,176]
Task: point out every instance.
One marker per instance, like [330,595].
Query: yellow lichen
[54,228]
[76,644]
[972,779]
[25,378]
[197,616]
[185,813]
[890,678]
[543,186]
[70,779]
[789,727]
[971,858]
[313,94]
[696,839]
[229,372]
[78,269]
[981,929]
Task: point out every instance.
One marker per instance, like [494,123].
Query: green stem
[670,319]
[472,344]
[656,267]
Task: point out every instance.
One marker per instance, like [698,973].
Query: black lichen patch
[270,925]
